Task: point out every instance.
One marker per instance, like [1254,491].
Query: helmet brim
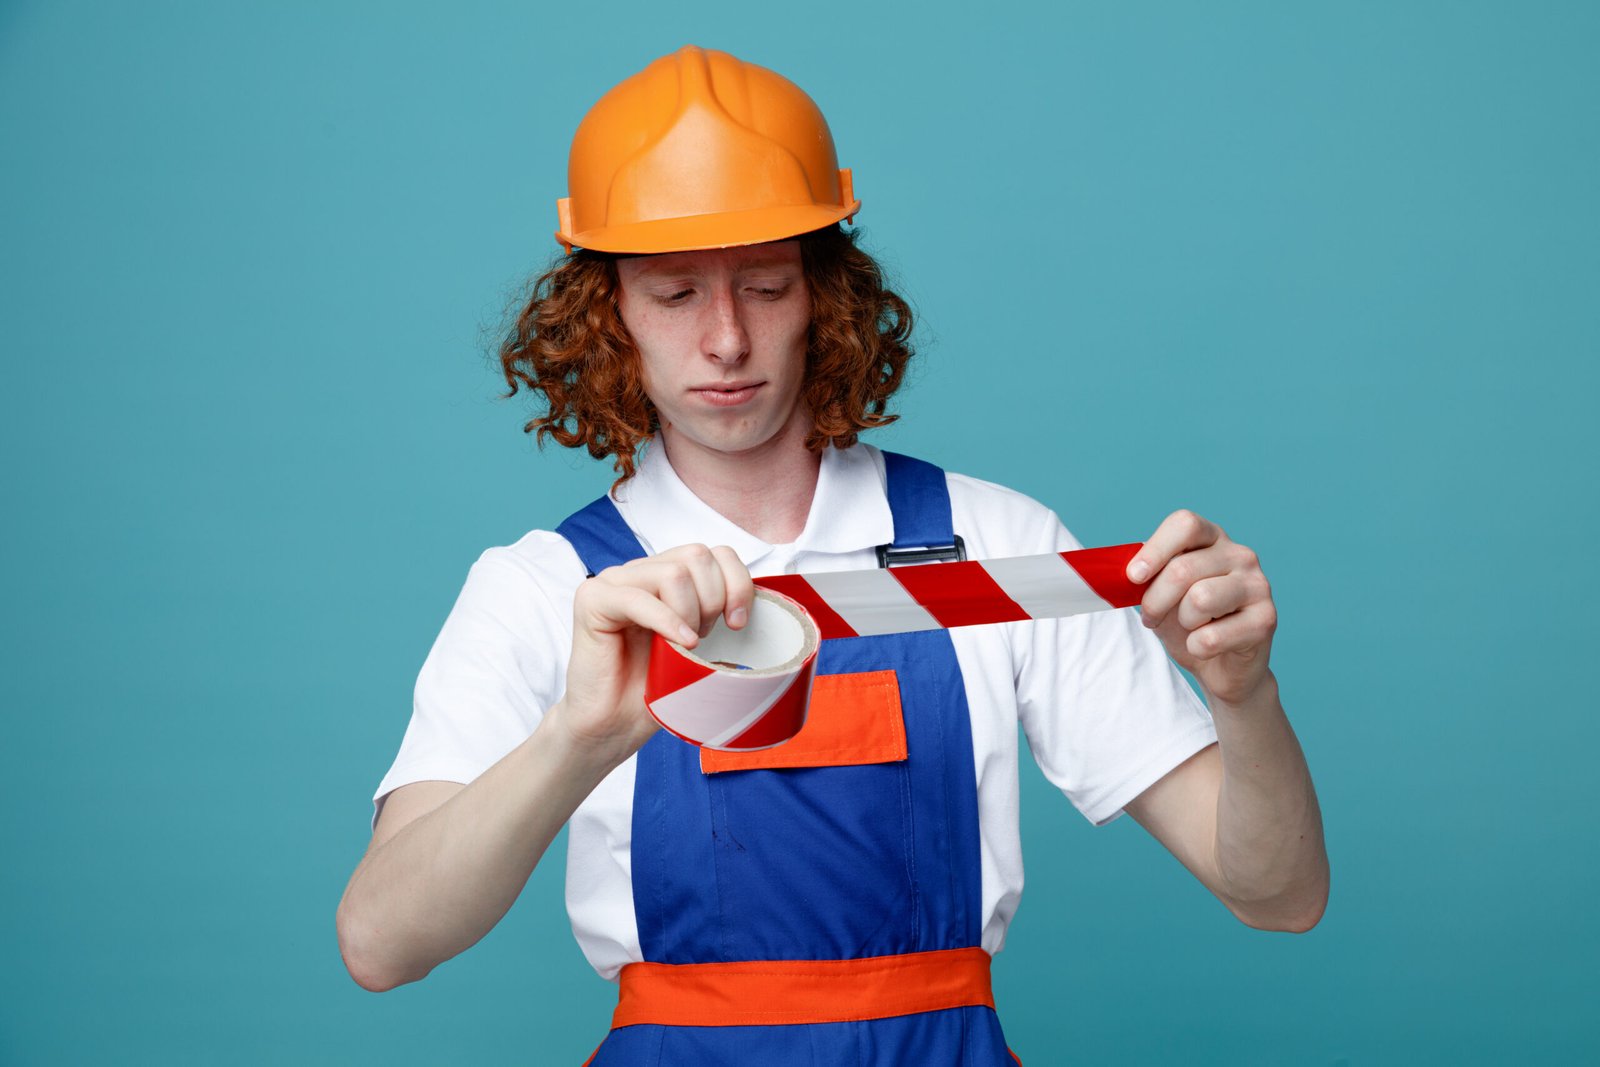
[721,230]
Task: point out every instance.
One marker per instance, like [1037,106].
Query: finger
[666,578]
[1213,598]
[710,591]
[740,590]
[678,585]
[611,607]
[1242,632]
[705,571]
[1172,584]
[1182,531]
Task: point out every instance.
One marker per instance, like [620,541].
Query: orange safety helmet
[701,150]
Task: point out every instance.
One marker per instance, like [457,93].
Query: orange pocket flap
[853,719]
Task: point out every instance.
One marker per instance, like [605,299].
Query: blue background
[1327,273]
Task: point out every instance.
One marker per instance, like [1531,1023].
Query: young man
[834,903]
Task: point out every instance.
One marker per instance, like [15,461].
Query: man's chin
[732,444]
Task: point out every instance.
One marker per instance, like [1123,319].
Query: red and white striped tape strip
[748,689]
[939,596]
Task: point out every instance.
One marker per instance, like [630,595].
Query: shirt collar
[848,513]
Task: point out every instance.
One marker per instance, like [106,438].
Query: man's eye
[676,298]
[769,294]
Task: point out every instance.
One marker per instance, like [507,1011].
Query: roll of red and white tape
[738,689]
[748,689]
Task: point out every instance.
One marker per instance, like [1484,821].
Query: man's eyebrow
[655,267]
[768,257]
[658,269]
[769,263]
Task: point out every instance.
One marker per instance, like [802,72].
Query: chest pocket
[853,720]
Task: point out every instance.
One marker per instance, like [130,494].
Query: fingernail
[687,636]
[1138,571]
[737,616]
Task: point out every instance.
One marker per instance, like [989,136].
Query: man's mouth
[727,394]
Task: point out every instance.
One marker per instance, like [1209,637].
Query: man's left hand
[1210,604]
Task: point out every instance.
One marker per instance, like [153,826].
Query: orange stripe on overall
[770,992]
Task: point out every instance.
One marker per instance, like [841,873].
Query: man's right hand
[446,860]
[678,594]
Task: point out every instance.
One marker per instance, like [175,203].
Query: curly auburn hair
[569,344]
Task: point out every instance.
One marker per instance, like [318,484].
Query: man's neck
[766,491]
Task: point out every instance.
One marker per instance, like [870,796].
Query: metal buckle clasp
[889,556]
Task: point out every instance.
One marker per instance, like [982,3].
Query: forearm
[1270,857]
[444,879]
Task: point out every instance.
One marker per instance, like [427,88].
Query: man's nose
[726,340]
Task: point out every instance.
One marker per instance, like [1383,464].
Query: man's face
[722,340]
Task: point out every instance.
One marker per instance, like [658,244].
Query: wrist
[1264,694]
[582,752]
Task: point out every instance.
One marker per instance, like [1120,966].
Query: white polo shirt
[1105,711]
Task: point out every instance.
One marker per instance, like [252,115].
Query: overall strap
[919,500]
[600,536]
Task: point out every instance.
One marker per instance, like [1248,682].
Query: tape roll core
[778,638]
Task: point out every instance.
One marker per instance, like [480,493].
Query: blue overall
[815,863]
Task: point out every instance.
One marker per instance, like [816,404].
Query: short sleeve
[1105,710]
[499,661]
